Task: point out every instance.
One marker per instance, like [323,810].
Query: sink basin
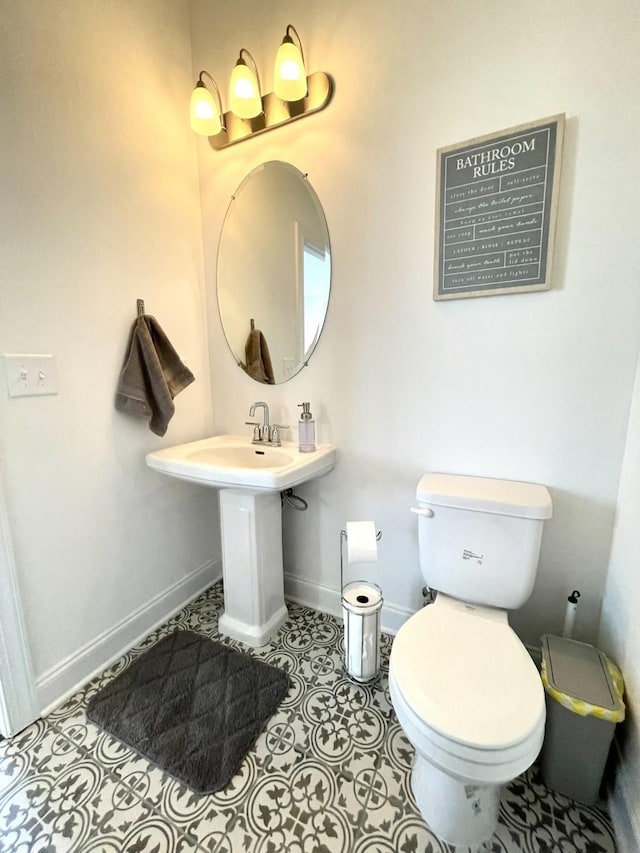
[231,461]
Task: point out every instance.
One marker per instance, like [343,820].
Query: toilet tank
[479,538]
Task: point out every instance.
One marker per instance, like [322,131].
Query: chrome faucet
[264,433]
[261,432]
[264,429]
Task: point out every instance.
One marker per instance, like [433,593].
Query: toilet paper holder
[361,608]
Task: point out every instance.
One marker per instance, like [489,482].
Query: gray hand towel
[258,360]
[151,376]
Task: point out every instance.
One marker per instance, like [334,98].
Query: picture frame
[496,209]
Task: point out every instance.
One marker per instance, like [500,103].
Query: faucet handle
[257,430]
[275,433]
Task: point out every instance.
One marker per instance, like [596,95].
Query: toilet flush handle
[422,510]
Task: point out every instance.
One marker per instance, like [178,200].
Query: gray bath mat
[192,706]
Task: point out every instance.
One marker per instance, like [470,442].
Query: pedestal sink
[250,478]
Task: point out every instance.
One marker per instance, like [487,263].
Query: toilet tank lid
[483,494]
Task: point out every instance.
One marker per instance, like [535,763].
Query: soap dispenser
[306,430]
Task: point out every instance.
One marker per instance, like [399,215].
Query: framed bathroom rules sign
[496,204]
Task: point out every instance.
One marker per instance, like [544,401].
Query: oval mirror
[274,272]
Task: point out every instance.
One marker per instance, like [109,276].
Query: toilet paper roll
[361,542]
[362,597]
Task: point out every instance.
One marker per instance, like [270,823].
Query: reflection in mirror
[274,272]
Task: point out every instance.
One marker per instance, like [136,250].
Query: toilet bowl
[469,698]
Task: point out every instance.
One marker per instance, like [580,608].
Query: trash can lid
[582,678]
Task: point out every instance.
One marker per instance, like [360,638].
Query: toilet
[465,690]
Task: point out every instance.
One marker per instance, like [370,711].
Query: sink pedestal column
[251,528]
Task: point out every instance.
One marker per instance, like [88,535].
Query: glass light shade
[289,77]
[244,94]
[205,114]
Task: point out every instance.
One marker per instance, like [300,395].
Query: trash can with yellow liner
[584,702]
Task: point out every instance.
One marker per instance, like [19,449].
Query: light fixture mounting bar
[276,112]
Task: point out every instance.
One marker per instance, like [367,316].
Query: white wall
[534,386]
[100,206]
[619,630]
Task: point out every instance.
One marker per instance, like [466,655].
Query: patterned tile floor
[330,774]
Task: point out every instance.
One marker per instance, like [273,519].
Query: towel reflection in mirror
[257,358]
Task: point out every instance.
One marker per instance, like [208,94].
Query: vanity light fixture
[245,97]
[206,115]
[290,76]
[295,95]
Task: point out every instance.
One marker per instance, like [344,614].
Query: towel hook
[140,307]
[253,324]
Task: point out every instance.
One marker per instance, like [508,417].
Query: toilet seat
[466,690]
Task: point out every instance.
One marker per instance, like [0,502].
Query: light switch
[30,375]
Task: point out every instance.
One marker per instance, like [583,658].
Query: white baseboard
[624,810]
[64,679]
[327,600]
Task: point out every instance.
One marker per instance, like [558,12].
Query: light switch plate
[31,375]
